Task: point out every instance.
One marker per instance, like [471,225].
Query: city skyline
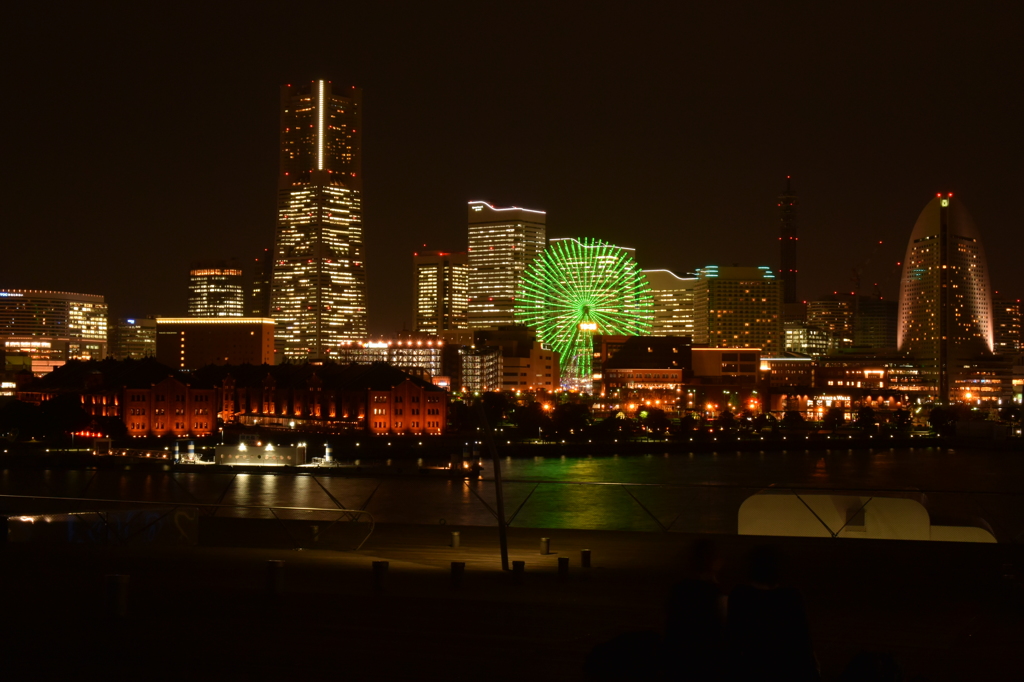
[692,177]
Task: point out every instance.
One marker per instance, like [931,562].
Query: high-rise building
[262,284]
[807,339]
[133,338]
[834,314]
[1006,324]
[319,280]
[441,282]
[787,243]
[52,327]
[502,242]
[216,289]
[945,309]
[673,303]
[739,307]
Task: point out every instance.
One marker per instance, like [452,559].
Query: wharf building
[526,365]
[319,275]
[188,343]
[738,307]
[154,400]
[375,399]
[673,298]
[133,338]
[441,291]
[52,327]
[945,307]
[216,289]
[673,374]
[502,242]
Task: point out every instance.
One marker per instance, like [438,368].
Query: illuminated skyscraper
[673,303]
[441,282]
[52,327]
[502,242]
[319,280]
[787,243]
[1006,324]
[945,310]
[215,289]
[739,307]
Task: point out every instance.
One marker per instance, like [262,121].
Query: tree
[63,414]
[570,418]
[792,419]
[530,420]
[656,420]
[833,418]
[901,418]
[866,418]
[726,420]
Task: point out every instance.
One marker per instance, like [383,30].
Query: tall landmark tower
[319,277]
[945,313]
[787,243]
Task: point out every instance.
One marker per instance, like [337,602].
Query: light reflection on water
[703,494]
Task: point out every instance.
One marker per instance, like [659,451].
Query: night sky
[143,137]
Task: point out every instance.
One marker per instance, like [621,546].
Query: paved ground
[943,609]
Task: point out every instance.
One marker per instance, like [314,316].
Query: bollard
[455,538]
[518,569]
[584,558]
[380,569]
[458,572]
[545,545]
[275,577]
[117,596]
[563,567]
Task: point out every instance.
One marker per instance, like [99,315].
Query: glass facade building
[739,307]
[216,289]
[52,327]
[945,308]
[441,282]
[673,303]
[502,242]
[319,273]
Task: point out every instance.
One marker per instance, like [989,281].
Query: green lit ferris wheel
[577,288]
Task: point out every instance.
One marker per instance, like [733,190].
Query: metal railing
[213,508]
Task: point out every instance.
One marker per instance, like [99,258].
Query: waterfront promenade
[945,610]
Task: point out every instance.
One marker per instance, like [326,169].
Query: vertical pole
[499,494]
[943,359]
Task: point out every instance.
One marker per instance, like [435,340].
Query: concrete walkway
[945,610]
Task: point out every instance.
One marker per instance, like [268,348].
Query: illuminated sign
[588,326]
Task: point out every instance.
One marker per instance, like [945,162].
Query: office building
[441,286]
[738,307]
[945,308]
[1006,324]
[808,340]
[787,243]
[52,327]
[319,275]
[194,342]
[133,338]
[834,314]
[673,303]
[502,242]
[216,289]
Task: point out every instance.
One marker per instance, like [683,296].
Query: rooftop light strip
[320,130]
